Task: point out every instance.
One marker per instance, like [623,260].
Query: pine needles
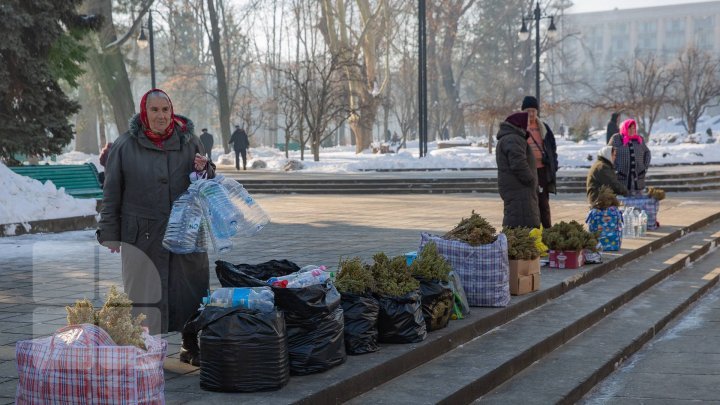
[474,230]
[354,277]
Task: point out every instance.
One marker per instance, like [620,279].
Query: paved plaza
[40,274]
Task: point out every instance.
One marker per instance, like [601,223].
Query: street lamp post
[422,79]
[524,35]
[143,41]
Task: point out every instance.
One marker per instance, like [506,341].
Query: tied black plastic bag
[252,275]
[437,304]
[240,350]
[315,326]
[361,316]
[313,319]
[401,319]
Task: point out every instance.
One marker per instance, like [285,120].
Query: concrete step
[361,374]
[475,368]
[572,370]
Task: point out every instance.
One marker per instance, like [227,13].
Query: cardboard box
[570,259]
[524,267]
[525,284]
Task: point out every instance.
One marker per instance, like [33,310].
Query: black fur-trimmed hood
[135,128]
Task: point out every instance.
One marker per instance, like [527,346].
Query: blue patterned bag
[483,270]
[609,223]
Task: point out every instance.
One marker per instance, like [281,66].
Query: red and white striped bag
[80,364]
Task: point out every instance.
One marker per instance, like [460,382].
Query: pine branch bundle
[392,276]
[606,198]
[354,277]
[474,230]
[521,246]
[430,264]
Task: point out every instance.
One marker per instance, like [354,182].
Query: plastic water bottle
[630,220]
[637,223]
[643,223]
[183,228]
[257,298]
[223,215]
[254,218]
[300,279]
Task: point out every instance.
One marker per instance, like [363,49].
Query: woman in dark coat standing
[517,177]
[633,157]
[148,168]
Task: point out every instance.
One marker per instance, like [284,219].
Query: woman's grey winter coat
[517,177]
[141,183]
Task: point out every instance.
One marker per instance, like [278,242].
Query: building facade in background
[600,39]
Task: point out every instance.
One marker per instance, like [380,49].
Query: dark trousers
[208,152]
[544,198]
[243,153]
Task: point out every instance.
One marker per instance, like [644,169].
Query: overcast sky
[582,6]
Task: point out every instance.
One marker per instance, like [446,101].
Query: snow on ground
[27,199]
[668,143]
[24,199]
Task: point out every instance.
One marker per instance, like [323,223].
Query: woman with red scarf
[147,169]
[633,157]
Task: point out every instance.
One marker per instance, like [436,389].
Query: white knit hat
[606,152]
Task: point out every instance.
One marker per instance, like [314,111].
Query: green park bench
[292,146]
[80,181]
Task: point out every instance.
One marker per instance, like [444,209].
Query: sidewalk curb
[49,226]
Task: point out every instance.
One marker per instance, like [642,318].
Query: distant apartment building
[605,37]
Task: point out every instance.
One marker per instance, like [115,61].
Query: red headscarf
[174,120]
[625,131]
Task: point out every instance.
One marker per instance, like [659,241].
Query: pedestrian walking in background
[517,176]
[544,149]
[602,173]
[207,140]
[148,167]
[612,127]
[241,143]
[633,157]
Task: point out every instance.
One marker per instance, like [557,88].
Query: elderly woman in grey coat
[517,177]
[147,169]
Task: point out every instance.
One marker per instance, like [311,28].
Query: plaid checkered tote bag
[80,364]
[644,202]
[484,270]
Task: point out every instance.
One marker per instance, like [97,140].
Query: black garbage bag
[241,350]
[313,319]
[248,275]
[361,316]
[272,268]
[315,327]
[400,319]
[437,304]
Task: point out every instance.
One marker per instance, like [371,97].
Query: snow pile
[24,199]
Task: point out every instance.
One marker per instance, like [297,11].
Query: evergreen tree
[40,47]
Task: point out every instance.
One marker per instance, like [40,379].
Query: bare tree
[697,86]
[106,60]
[640,87]
[357,50]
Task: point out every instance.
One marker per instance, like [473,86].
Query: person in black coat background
[542,143]
[241,143]
[612,127]
[207,140]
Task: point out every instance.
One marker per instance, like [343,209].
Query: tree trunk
[109,67]
[86,123]
[223,99]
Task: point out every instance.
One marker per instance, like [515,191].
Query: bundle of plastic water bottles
[210,215]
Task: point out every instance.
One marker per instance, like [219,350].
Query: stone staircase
[432,182]
[550,346]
